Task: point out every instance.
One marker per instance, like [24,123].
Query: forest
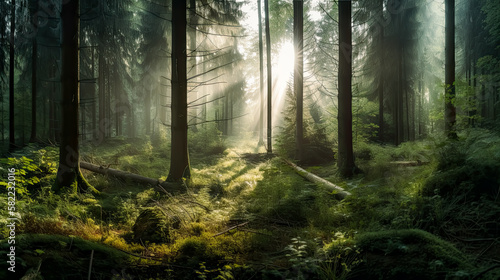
[250,139]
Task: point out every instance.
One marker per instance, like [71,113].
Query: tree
[179,159]
[298,76]
[12,140]
[450,110]
[34,19]
[193,22]
[346,164]
[269,79]
[261,72]
[69,174]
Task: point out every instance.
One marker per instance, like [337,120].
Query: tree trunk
[450,110]
[12,139]
[147,108]
[261,72]
[298,75]
[102,117]
[193,21]
[179,159]
[269,80]
[346,164]
[68,173]
[94,117]
[381,52]
[34,57]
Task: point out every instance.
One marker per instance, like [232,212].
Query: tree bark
[147,108]
[340,193]
[12,139]
[179,159]
[381,53]
[34,57]
[261,71]
[269,80]
[68,173]
[450,110]
[346,164]
[298,75]
[193,21]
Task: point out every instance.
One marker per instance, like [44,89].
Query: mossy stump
[153,225]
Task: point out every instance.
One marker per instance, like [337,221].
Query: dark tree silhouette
[179,160]
[69,174]
[34,57]
[450,110]
[298,74]
[12,137]
[345,151]
[261,72]
[269,80]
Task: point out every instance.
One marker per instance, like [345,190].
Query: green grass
[269,207]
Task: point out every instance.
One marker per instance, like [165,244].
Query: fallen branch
[127,176]
[229,229]
[409,163]
[340,193]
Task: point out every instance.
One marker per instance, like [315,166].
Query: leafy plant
[25,174]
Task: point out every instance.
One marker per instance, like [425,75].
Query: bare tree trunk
[450,110]
[193,21]
[381,52]
[261,71]
[94,117]
[269,80]
[12,139]
[147,108]
[69,172]
[34,56]
[179,159]
[33,89]
[346,164]
[298,75]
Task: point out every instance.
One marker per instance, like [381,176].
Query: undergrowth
[243,216]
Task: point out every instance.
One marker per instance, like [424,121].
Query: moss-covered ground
[246,215]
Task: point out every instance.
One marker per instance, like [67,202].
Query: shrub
[407,254]
[207,140]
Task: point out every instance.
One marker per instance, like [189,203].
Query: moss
[154,226]
[407,254]
[64,257]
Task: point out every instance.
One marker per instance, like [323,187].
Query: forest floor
[244,215]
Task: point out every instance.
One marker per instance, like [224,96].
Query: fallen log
[339,192]
[409,163]
[129,176]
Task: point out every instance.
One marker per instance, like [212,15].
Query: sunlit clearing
[286,59]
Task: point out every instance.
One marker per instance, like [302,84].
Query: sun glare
[286,59]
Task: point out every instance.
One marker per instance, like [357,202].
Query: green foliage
[492,11]
[364,122]
[407,254]
[62,256]
[317,145]
[152,225]
[207,140]
[341,256]
[469,166]
[25,174]
[303,264]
